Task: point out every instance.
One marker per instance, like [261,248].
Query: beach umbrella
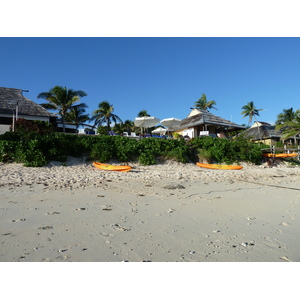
[170,122]
[159,130]
[146,122]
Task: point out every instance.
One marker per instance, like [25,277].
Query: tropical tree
[202,103]
[143,113]
[104,114]
[76,115]
[249,110]
[289,123]
[287,115]
[128,125]
[61,99]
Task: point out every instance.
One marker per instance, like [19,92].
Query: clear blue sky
[164,76]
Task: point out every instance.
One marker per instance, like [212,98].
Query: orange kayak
[280,155]
[219,167]
[111,167]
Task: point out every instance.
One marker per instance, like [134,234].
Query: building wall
[6,121]
[4,128]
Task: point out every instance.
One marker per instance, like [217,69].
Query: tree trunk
[63,123]
[259,134]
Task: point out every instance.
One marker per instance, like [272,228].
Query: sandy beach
[169,212]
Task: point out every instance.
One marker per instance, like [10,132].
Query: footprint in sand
[62,250]
[284,258]
[119,227]
[45,227]
[19,220]
[284,224]
[272,243]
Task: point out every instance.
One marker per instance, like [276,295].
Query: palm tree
[128,126]
[104,114]
[143,113]
[202,103]
[249,110]
[289,122]
[286,116]
[61,99]
[76,115]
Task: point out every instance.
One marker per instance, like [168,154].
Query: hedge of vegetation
[36,149]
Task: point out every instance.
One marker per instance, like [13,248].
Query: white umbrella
[159,130]
[146,122]
[170,122]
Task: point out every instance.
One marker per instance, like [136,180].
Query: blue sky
[165,76]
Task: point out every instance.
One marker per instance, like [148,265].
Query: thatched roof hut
[265,131]
[204,121]
[11,98]
[13,102]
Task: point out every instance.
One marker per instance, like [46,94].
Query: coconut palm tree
[202,103]
[286,116]
[289,122]
[104,114]
[76,115]
[249,110]
[143,113]
[128,126]
[61,99]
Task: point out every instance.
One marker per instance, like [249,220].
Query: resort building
[202,122]
[14,106]
[265,132]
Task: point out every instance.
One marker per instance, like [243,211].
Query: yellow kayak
[219,167]
[111,167]
[280,155]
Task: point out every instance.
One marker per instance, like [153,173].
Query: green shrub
[204,155]
[103,149]
[34,149]
[125,148]
[229,151]
[7,150]
[147,158]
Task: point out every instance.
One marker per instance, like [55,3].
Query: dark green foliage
[103,149]
[7,150]
[229,151]
[34,149]
[24,126]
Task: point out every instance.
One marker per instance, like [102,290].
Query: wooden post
[13,124]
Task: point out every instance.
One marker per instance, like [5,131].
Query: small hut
[265,132]
[14,105]
[202,122]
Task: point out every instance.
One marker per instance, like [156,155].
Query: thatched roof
[9,98]
[206,117]
[267,131]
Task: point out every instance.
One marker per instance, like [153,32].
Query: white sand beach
[169,212]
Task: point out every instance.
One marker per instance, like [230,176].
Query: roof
[266,131]
[206,117]
[9,98]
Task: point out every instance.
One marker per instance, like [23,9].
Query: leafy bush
[229,151]
[7,150]
[34,149]
[28,126]
[125,148]
[147,158]
[103,149]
